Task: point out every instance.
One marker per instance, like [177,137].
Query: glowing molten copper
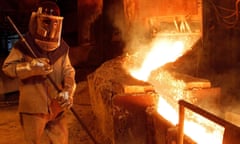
[198,128]
[162,52]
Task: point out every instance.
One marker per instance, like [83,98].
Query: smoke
[123,18]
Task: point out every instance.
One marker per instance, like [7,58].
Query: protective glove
[37,67]
[65,100]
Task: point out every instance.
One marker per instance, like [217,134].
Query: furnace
[135,97]
[128,110]
[119,102]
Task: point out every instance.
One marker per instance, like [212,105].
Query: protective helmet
[46,26]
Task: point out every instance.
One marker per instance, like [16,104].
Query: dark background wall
[221,34]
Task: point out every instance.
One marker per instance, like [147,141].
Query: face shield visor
[47,30]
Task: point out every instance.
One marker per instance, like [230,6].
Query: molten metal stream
[183,104]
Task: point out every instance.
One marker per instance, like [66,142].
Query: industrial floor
[81,126]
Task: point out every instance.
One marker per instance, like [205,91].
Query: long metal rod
[83,125]
[21,36]
[51,80]
[180,137]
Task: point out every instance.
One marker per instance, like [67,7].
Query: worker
[40,67]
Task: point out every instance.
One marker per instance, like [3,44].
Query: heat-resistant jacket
[36,92]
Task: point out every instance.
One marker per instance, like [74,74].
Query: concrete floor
[11,132]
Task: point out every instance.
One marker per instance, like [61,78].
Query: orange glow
[204,131]
[166,110]
[162,52]
[199,129]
